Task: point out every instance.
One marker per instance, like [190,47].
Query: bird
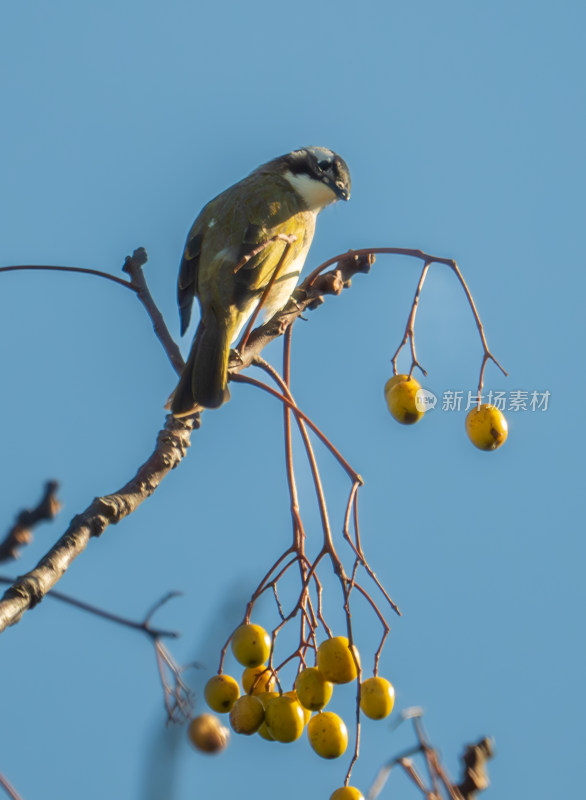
[262,225]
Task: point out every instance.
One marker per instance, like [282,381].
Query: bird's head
[317,174]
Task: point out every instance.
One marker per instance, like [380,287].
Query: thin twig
[428,259]
[357,548]
[384,772]
[28,590]
[428,752]
[137,284]
[177,695]
[410,770]
[133,266]
[9,788]
[144,626]
[20,533]
[298,531]
[290,403]
[474,780]
[289,241]
[384,623]
[172,444]
[451,789]
[159,604]
[410,327]
[174,440]
[81,270]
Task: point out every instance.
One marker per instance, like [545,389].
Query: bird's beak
[340,189]
[342,192]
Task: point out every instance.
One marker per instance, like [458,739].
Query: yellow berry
[284,718]
[486,427]
[393,381]
[335,660]
[401,393]
[327,734]
[207,733]
[247,714]
[313,690]
[377,698]
[264,733]
[251,645]
[265,698]
[306,711]
[347,793]
[221,693]
[257,679]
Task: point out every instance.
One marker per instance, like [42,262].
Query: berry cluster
[486,425]
[260,703]
[282,716]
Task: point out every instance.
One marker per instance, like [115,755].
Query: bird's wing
[236,224]
[187,281]
[261,234]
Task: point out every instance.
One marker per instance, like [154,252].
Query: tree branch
[133,266]
[80,270]
[308,295]
[475,775]
[9,788]
[28,590]
[144,625]
[21,533]
[173,440]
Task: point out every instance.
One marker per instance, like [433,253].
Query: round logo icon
[425,400]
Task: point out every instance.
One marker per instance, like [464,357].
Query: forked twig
[29,589]
[96,611]
[21,532]
[171,447]
[410,327]
[428,259]
[474,760]
[132,266]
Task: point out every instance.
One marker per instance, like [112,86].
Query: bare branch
[133,266]
[178,696]
[410,327]
[475,777]
[137,284]
[9,788]
[173,440]
[428,259]
[410,770]
[21,533]
[289,241]
[308,295]
[474,780]
[80,270]
[144,626]
[29,589]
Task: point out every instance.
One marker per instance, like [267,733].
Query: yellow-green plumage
[230,227]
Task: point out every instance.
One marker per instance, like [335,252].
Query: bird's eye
[324,165]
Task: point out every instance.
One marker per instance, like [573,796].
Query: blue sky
[463,125]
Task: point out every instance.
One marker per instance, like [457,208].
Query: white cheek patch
[315,193]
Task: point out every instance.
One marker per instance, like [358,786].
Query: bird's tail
[204,381]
